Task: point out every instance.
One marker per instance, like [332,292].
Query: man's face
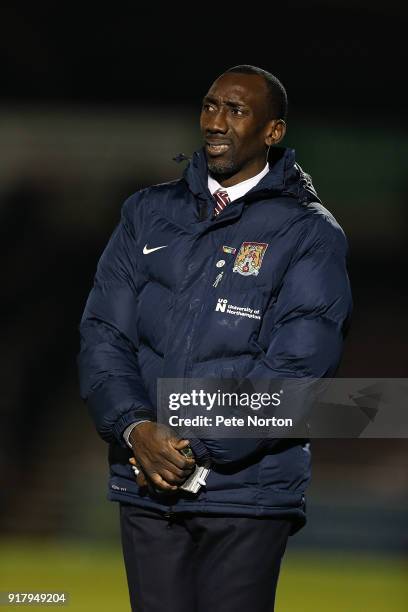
[235,122]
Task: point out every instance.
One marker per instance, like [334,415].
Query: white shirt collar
[240,189]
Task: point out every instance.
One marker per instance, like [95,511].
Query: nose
[216,122]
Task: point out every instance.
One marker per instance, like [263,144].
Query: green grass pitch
[94,577]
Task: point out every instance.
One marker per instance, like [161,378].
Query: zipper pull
[218,279]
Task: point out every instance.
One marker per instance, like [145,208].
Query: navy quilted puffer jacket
[152,313]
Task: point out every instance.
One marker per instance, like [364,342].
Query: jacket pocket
[227,477]
[287,470]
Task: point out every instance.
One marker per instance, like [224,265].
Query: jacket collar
[285,177]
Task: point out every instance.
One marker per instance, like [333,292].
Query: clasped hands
[157,455]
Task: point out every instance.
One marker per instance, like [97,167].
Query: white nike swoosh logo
[146,251]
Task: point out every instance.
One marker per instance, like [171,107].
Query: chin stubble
[221,168]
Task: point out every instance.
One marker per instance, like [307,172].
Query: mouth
[216,149]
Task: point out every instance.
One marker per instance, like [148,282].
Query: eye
[237,111]
[207,107]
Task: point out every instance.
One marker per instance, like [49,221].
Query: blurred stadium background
[95,106]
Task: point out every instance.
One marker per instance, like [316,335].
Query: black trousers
[201,563]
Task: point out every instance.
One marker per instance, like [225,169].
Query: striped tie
[222,200]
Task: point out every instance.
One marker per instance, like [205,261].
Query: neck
[228,180]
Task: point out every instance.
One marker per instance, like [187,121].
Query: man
[243,224]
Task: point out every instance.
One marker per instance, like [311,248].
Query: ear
[275,132]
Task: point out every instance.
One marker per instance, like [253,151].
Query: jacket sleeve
[110,380]
[303,334]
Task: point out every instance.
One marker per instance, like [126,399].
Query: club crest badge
[249,258]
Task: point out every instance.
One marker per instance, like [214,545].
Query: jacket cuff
[130,428]
[200,451]
[133,416]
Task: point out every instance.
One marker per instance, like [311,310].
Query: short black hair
[278,98]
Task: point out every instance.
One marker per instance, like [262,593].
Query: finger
[173,470]
[135,464]
[174,457]
[172,479]
[159,482]
[171,456]
[141,480]
[135,470]
[140,477]
[182,443]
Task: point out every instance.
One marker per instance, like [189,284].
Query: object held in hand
[196,480]
[187,451]
[140,477]
[136,470]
